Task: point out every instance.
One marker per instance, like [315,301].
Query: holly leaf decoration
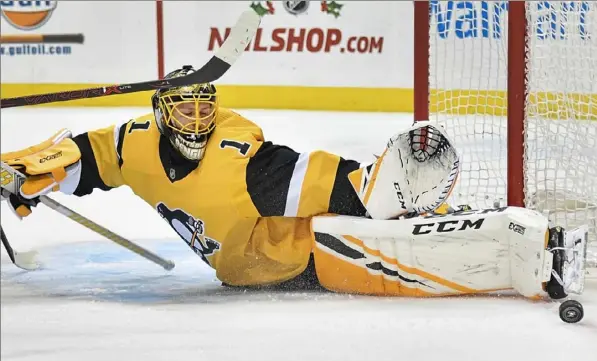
[331,7]
[260,9]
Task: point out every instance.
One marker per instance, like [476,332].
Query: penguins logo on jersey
[190,229]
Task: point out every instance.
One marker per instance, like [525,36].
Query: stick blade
[240,36]
[235,44]
[27,260]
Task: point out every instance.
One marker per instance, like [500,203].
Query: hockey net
[528,139]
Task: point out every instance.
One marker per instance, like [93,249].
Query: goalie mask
[186,115]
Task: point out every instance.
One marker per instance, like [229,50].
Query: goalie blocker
[466,252]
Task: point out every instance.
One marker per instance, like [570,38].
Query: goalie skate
[569,249]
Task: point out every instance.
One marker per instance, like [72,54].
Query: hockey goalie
[262,214]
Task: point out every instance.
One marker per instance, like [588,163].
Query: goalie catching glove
[47,167]
[415,174]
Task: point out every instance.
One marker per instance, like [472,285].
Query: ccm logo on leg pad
[447,226]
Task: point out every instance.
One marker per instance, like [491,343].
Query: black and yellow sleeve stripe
[282,182]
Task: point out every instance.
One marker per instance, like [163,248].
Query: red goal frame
[516,83]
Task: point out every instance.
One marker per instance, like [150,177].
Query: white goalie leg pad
[415,173]
[465,252]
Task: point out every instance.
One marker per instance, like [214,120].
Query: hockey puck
[571,311]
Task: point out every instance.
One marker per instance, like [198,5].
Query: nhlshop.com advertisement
[313,40]
[300,43]
[298,39]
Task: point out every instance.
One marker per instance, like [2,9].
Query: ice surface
[94,300]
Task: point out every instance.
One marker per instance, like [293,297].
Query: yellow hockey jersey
[245,208]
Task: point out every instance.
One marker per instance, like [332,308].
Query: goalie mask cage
[514,83]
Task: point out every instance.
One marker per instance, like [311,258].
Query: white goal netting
[468,84]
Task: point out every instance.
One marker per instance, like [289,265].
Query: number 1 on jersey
[243,148]
[139,126]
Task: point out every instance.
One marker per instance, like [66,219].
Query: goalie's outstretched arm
[101,158]
[414,174]
[282,182]
[89,176]
[62,163]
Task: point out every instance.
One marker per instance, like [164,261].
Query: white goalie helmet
[186,115]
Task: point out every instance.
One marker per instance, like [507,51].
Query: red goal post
[515,85]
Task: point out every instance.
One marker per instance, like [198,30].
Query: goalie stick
[240,36]
[64,210]
[11,182]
